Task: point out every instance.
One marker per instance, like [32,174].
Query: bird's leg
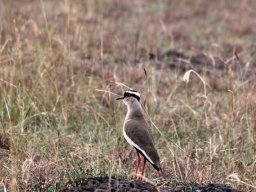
[137,166]
[143,168]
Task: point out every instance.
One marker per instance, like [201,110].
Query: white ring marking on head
[134,93]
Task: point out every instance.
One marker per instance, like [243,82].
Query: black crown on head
[132,93]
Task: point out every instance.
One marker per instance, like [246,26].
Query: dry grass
[56,127]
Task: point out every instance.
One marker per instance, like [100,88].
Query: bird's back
[138,134]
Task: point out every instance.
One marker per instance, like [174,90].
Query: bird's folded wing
[139,134]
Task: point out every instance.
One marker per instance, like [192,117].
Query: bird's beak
[119,98]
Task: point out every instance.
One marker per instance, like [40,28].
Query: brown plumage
[137,133]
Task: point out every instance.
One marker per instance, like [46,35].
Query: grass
[55,56]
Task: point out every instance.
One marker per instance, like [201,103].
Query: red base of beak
[119,98]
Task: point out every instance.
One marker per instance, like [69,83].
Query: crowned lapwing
[137,133]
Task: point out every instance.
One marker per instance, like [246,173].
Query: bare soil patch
[101,184]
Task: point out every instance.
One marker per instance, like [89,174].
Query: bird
[137,133]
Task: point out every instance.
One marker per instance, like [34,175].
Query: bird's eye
[127,95]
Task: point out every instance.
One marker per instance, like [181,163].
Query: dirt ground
[101,184]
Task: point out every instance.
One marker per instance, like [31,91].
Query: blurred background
[62,62]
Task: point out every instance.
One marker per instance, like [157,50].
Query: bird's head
[130,96]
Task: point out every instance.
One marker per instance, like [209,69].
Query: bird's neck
[134,111]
